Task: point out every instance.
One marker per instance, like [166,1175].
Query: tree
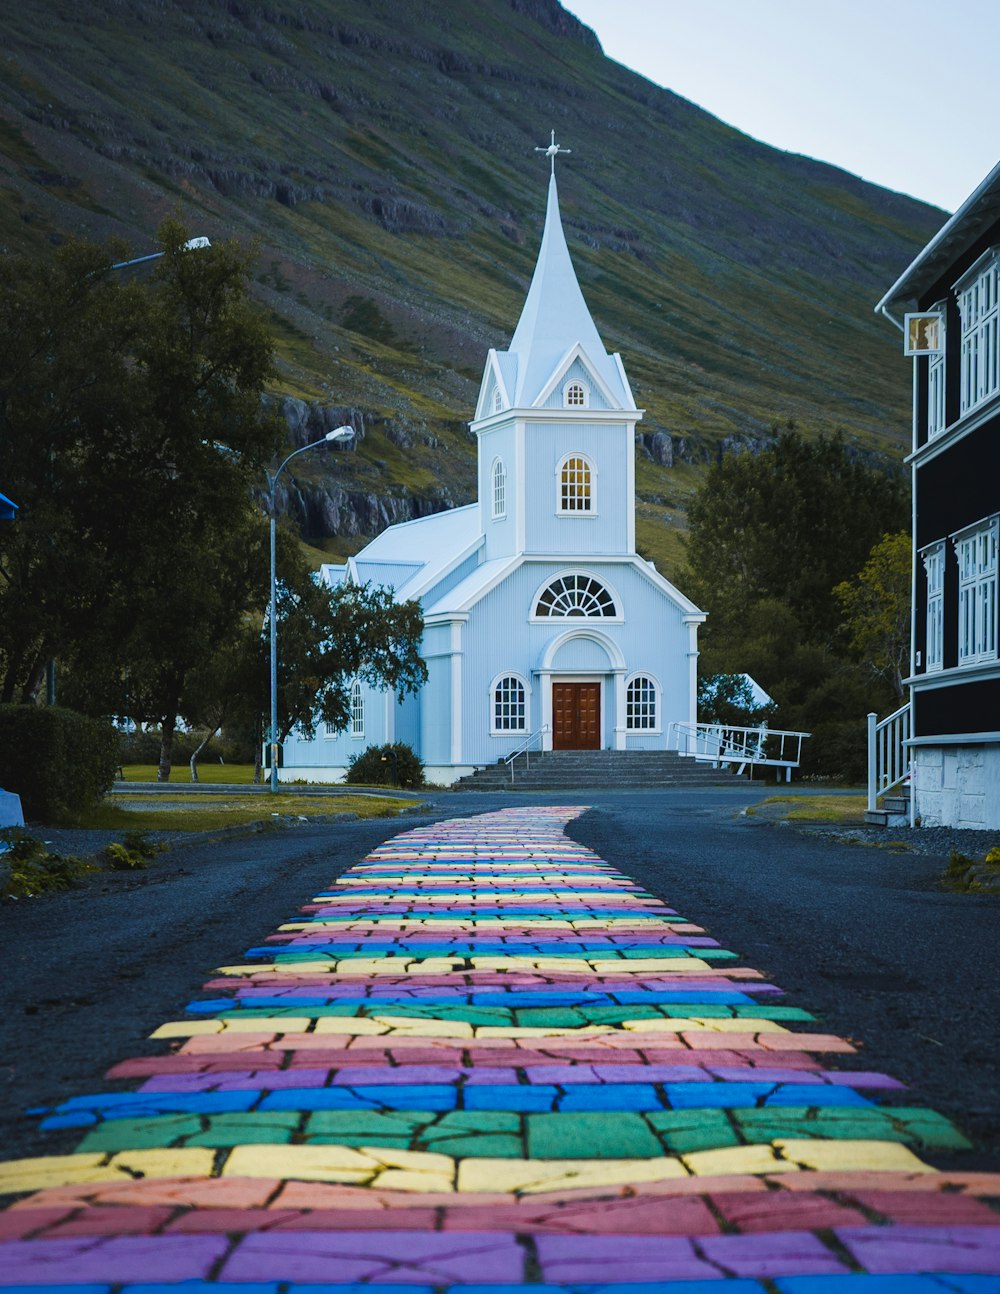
[876,609]
[326,639]
[771,536]
[728,699]
[787,524]
[134,426]
[329,637]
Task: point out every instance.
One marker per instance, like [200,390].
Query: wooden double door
[576,716]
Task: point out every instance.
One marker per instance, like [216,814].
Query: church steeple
[555,319]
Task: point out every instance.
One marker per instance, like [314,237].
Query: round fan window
[576,595]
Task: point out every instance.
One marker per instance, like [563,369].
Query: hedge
[58,761]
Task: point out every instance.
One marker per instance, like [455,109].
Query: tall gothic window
[357,710]
[510,710]
[640,704]
[499,489]
[576,595]
[576,485]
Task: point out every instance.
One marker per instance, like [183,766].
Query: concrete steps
[895,812]
[609,769]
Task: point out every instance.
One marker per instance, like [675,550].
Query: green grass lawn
[846,809]
[212,774]
[192,813]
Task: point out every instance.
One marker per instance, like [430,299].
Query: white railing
[888,753]
[723,744]
[525,750]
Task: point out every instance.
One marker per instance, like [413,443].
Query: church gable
[577,384]
[497,385]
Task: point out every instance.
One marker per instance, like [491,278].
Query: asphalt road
[860,936]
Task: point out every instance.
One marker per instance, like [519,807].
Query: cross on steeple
[552,151]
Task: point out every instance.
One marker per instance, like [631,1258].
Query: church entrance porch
[576,716]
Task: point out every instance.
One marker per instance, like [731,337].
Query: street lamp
[192,245]
[338,434]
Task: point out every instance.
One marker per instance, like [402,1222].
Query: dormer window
[576,485]
[497,400]
[499,489]
[575,395]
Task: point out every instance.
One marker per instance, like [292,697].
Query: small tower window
[357,710]
[509,705]
[575,395]
[640,705]
[576,482]
[497,400]
[499,489]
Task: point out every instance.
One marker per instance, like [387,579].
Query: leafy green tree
[876,609]
[787,524]
[772,535]
[728,699]
[329,637]
[326,639]
[132,421]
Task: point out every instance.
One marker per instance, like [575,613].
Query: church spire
[555,317]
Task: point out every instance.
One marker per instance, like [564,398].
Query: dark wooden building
[948,305]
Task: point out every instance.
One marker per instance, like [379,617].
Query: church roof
[413,555]
[554,320]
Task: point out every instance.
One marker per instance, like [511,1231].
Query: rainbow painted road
[485,1060]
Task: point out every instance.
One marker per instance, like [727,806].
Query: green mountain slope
[381,152]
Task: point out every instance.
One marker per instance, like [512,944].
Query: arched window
[357,710]
[575,395]
[499,489]
[576,595]
[497,400]
[510,709]
[640,704]
[576,484]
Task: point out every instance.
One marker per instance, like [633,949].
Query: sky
[900,92]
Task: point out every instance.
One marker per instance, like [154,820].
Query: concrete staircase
[894,811]
[612,770]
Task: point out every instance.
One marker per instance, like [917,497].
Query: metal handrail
[730,744]
[888,753]
[525,750]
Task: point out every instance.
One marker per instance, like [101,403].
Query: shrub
[59,762]
[376,767]
[33,870]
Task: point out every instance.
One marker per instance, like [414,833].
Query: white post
[872,763]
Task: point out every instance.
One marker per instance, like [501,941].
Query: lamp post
[338,434]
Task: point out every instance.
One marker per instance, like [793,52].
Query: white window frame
[564,577]
[504,718]
[937,416]
[574,384]
[976,550]
[978,294]
[357,710]
[498,482]
[566,490]
[933,558]
[635,705]
[497,400]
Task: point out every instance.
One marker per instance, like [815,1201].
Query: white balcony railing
[746,747]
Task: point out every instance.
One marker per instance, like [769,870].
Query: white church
[542,623]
